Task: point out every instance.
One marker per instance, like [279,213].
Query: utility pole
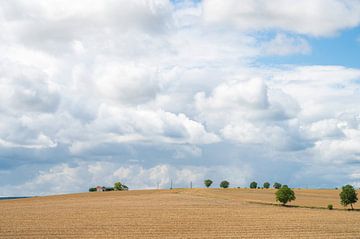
[171,184]
[190,184]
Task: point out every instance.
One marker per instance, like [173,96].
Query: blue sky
[149,92]
[341,49]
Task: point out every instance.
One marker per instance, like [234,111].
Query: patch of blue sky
[182,2]
[341,49]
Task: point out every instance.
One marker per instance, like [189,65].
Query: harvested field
[179,213]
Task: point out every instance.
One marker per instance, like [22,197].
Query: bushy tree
[348,196]
[253,184]
[92,189]
[117,186]
[277,185]
[208,182]
[285,195]
[266,185]
[224,184]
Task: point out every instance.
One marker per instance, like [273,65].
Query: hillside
[179,213]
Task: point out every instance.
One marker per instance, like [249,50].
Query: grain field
[178,213]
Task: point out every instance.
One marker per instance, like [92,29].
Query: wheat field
[178,213]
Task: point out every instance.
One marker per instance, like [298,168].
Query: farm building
[100,188]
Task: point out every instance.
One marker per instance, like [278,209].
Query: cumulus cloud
[253,114]
[128,125]
[127,83]
[317,18]
[282,45]
[53,26]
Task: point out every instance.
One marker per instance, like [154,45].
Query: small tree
[253,184]
[224,184]
[285,195]
[266,185]
[277,185]
[118,186]
[348,196]
[208,182]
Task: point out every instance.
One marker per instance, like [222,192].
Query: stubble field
[178,213]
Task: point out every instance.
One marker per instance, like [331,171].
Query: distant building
[100,188]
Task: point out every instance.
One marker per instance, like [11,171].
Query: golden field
[178,213]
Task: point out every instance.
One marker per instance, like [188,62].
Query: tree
[92,189]
[224,184]
[285,195]
[118,186]
[348,196]
[253,184]
[208,182]
[266,185]
[277,185]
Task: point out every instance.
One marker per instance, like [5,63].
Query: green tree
[285,195]
[253,184]
[277,185]
[348,196]
[224,184]
[266,185]
[208,182]
[118,186]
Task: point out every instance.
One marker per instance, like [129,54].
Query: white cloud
[322,91]
[124,125]
[325,128]
[317,18]
[282,45]
[133,84]
[251,113]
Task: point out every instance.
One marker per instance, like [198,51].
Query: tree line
[226,184]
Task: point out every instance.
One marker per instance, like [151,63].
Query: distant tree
[224,184]
[348,196]
[277,185]
[208,182]
[118,186]
[253,184]
[266,185]
[92,189]
[285,195]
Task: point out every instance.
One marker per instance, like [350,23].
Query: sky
[152,91]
